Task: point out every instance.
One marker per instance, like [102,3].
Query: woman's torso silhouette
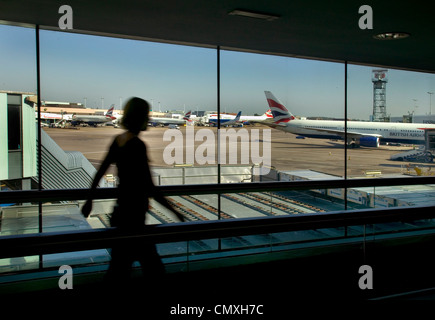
[135,184]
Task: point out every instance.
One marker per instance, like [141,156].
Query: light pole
[415,103]
[430,102]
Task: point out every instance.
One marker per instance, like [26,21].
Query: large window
[307,89]
[96,73]
[291,127]
[394,105]
[294,116]
[83,76]
[281,99]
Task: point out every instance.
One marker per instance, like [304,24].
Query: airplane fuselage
[412,133]
[167,121]
[90,118]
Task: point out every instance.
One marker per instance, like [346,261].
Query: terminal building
[272,240]
[414,118]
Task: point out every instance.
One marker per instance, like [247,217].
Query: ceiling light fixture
[253,14]
[391,36]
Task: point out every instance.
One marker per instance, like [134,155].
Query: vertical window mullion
[345,141]
[38,93]
[218,51]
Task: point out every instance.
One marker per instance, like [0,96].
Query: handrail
[195,189]
[45,243]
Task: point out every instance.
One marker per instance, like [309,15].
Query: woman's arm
[108,160]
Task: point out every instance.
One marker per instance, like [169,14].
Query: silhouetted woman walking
[134,190]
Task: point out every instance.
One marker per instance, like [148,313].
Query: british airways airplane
[214,119]
[94,120]
[359,133]
[168,121]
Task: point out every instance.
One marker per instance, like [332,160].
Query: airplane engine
[369,142]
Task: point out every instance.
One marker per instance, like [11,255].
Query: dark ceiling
[315,29]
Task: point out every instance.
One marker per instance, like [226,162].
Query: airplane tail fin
[279,112]
[268,114]
[237,118]
[109,112]
[187,116]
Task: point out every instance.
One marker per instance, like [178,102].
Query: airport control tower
[380,80]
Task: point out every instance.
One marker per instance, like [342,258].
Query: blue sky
[75,67]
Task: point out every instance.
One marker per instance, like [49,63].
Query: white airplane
[359,133]
[213,119]
[54,116]
[49,116]
[266,116]
[168,121]
[94,120]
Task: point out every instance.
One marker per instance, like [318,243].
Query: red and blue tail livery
[187,116]
[279,112]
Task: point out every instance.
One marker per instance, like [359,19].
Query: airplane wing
[350,134]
